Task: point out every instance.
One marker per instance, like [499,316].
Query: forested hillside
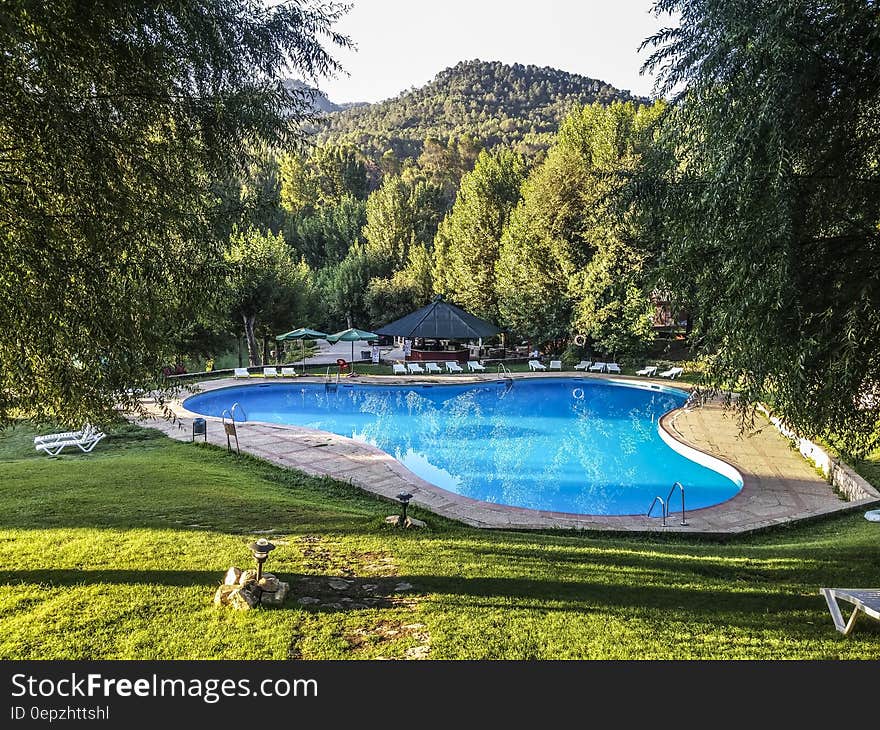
[491,102]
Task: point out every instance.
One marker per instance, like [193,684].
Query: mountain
[319,100]
[492,102]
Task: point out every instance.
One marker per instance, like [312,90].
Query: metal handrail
[230,427]
[695,399]
[232,411]
[662,508]
[502,368]
[684,521]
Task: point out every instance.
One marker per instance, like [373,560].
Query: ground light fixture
[261,549]
[403,498]
[200,428]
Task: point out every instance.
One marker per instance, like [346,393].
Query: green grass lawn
[117,555]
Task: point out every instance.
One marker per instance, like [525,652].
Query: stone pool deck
[779,485]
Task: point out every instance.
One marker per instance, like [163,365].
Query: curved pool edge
[378,473]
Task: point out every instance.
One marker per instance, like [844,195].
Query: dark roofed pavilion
[440,320]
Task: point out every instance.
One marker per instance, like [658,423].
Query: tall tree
[345,286]
[266,290]
[469,238]
[612,291]
[614,308]
[328,176]
[567,215]
[120,121]
[400,215]
[324,237]
[390,298]
[769,220]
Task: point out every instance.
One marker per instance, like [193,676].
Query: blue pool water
[565,445]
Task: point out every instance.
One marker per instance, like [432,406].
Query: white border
[701,458]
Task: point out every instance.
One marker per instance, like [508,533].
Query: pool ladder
[508,381]
[696,399]
[230,426]
[330,386]
[664,505]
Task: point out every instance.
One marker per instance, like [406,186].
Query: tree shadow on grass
[753,610]
[681,564]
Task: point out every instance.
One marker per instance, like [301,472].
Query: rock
[338,585]
[248,576]
[233,577]
[275,598]
[413,522]
[221,597]
[403,586]
[417,652]
[392,519]
[308,600]
[370,587]
[269,584]
[241,599]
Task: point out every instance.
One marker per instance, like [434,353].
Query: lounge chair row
[267,373]
[414,368]
[651,371]
[606,367]
[585,365]
[85,439]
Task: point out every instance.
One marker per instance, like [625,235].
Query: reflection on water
[569,446]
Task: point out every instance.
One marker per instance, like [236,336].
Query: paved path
[779,485]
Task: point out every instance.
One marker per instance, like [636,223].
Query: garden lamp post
[261,549]
[404,499]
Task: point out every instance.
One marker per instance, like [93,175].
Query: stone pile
[242,591]
[410,521]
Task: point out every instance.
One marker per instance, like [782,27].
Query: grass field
[117,555]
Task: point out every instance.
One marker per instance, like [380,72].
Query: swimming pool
[562,445]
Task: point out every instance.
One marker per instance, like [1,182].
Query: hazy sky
[404,43]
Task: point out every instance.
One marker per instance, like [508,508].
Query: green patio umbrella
[351,335]
[302,334]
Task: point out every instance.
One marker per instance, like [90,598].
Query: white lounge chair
[672,373]
[61,436]
[597,367]
[612,367]
[241,373]
[583,365]
[535,365]
[289,373]
[433,367]
[865,600]
[415,368]
[85,441]
[476,367]
[647,370]
[270,372]
[453,367]
[398,369]
[556,365]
